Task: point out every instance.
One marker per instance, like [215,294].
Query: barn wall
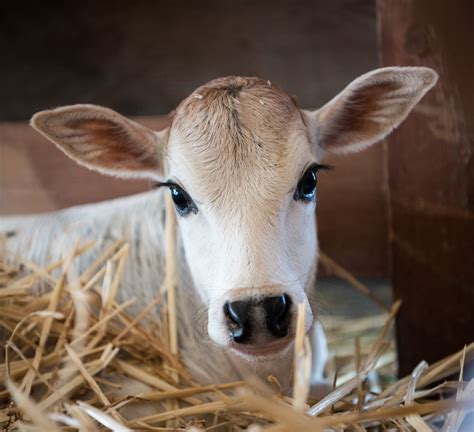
[141,58]
[431,179]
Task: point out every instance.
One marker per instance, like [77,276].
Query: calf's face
[242,162]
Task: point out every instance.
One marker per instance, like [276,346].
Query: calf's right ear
[369,108]
[103,140]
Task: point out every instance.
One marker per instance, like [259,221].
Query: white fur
[240,160]
[139,220]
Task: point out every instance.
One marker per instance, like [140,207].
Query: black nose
[277,313]
[244,314]
[238,313]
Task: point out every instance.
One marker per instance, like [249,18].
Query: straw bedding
[64,351]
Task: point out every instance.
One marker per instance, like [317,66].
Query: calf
[241,162]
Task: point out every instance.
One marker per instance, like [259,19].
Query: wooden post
[431,179]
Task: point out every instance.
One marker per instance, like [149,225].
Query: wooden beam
[431,179]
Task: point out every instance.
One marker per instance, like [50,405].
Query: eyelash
[178,193]
[308,181]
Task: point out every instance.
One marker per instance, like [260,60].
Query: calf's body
[241,161]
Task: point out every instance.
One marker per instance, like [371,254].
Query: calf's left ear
[103,140]
[369,108]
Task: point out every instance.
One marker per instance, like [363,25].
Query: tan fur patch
[110,145]
[357,113]
[238,128]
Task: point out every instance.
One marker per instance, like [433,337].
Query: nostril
[278,314]
[239,323]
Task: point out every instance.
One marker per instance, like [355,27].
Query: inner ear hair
[103,140]
[370,107]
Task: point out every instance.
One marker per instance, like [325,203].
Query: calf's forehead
[237,132]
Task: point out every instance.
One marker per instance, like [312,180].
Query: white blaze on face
[250,237]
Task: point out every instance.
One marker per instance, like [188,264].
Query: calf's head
[241,161]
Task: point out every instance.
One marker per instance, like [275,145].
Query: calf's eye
[306,188]
[182,201]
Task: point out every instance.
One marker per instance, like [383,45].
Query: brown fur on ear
[370,108]
[102,140]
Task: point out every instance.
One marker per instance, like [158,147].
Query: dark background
[143,57]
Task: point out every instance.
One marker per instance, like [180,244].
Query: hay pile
[64,348]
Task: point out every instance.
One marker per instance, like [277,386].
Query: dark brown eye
[182,201]
[306,189]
